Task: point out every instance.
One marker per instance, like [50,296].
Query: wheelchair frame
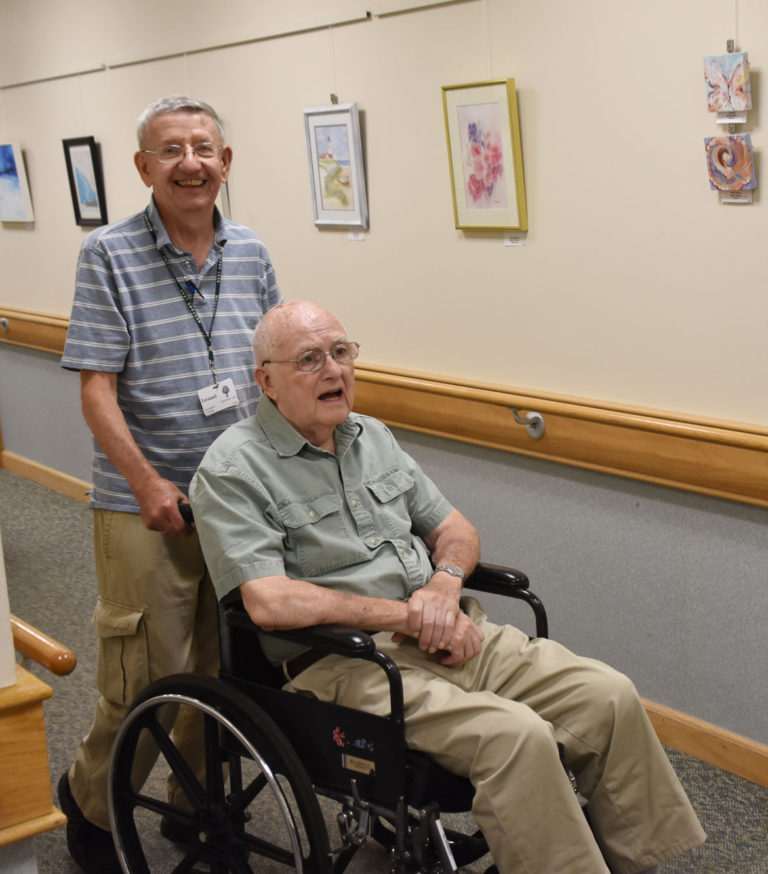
[257,747]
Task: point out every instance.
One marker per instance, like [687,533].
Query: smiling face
[314,403]
[190,187]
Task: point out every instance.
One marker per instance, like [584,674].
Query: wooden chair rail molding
[725,459]
[720,458]
[34,330]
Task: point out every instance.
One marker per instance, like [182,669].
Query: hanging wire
[487,41]
[334,89]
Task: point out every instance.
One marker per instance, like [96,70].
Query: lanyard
[207,335]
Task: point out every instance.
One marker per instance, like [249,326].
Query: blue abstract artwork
[15,202]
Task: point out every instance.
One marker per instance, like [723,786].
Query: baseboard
[716,746]
[709,743]
[45,476]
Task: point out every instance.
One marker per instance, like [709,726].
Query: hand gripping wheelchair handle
[186,512]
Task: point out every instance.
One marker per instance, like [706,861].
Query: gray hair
[176,103]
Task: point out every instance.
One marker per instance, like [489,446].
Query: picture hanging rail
[86,182]
[485,155]
[15,200]
[336,168]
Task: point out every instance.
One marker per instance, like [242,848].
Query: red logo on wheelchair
[339,737]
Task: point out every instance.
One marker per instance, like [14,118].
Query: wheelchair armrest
[339,639]
[511,583]
[496,579]
[336,638]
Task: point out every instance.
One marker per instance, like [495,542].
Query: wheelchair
[280,766]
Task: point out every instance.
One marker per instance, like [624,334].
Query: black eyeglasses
[313,359]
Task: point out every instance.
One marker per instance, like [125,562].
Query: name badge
[218,397]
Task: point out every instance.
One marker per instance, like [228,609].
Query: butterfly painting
[727,78]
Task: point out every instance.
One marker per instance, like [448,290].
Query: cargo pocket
[123,669]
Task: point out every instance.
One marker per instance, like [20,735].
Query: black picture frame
[86,181]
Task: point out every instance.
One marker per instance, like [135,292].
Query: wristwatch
[451,569]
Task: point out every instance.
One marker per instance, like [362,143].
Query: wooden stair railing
[33,644]
[26,801]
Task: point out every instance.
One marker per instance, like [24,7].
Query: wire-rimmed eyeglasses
[314,359]
[174,153]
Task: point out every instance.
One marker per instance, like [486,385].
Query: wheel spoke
[213,760]
[177,763]
[240,800]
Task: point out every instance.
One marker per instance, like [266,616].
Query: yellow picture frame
[485,155]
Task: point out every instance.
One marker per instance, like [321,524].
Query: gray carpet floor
[48,559]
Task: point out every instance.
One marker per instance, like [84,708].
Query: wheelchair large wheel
[251,809]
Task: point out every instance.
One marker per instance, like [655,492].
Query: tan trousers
[498,720]
[156,615]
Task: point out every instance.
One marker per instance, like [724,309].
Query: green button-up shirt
[268,503]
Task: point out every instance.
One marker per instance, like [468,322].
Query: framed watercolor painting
[336,168]
[86,183]
[15,202]
[485,155]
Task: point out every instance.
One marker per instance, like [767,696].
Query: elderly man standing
[318,516]
[165,307]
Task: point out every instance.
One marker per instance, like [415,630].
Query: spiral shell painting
[730,163]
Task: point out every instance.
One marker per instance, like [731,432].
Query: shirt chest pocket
[390,485]
[390,493]
[319,538]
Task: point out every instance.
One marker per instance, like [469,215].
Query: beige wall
[634,284]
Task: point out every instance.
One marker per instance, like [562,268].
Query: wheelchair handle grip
[186,512]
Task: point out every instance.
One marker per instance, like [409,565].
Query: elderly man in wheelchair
[316,518]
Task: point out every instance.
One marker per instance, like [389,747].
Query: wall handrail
[706,455]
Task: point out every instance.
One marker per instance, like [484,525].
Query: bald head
[285,323]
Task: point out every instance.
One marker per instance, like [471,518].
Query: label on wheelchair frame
[349,760]
[356,763]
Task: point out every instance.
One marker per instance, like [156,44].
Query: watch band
[451,569]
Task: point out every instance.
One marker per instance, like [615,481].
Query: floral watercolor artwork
[730,163]
[483,157]
[727,82]
[333,166]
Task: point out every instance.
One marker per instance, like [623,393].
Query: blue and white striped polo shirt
[129,318]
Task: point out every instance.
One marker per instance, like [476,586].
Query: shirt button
[373,541]
[312,514]
[355,502]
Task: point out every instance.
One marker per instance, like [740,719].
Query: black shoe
[178,832]
[91,847]
[466,849]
